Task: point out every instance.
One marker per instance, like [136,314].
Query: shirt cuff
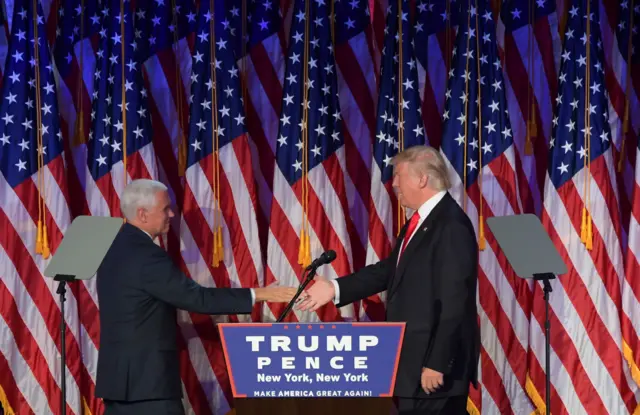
[336,287]
[253,297]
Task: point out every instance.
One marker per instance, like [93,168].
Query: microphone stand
[307,280]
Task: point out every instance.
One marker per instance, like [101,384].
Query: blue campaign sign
[273,360]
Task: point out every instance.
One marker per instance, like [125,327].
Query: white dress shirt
[423,211]
[253,294]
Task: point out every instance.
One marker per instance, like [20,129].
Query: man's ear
[424,180]
[142,215]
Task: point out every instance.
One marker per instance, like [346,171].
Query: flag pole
[243,58]
[123,110]
[79,136]
[586,226]
[466,117]
[304,252]
[447,34]
[42,240]
[625,122]
[481,238]
[532,127]
[402,213]
[182,140]
[218,254]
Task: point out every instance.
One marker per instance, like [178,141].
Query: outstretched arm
[163,280]
[368,281]
[345,290]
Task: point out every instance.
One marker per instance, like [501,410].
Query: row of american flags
[273,123]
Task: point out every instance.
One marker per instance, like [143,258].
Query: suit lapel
[419,234]
[394,254]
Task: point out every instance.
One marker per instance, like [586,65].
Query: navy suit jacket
[139,290]
[433,290]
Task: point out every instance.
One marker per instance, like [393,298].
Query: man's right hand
[275,294]
[320,294]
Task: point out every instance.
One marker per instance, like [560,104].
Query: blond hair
[427,161]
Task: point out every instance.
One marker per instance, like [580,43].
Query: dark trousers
[155,407]
[452,405]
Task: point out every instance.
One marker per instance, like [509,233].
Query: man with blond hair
[430,278]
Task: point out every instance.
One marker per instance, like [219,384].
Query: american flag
[529,37]
[478,146]
[631,287]
[119,142]
[435,28]
[34,216]
[357,91]
[219,232]
[309,207]
[4,39]
[263,70]
[398,126]
[378,10]
[529,41]
[582,215]
[77,24]
[622,80]
[168,24]
[628,37]
[75,62]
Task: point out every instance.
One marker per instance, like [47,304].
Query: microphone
[323,259]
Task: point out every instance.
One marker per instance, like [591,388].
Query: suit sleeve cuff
[336,287]
[440,360]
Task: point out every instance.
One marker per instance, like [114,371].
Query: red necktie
[413,223]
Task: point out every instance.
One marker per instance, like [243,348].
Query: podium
[312,368]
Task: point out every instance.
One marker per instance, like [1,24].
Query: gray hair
[139,193]
[428,161]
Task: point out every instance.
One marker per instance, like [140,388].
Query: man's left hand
[431,380]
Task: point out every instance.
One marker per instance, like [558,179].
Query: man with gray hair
[431,279]
[139,290]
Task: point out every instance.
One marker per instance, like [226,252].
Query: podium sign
[300,360]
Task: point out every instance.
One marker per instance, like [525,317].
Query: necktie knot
[413,223]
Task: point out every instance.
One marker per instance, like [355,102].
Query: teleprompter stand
[532,255]
[78,257]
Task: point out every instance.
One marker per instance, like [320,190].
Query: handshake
[318,295]
[311,299]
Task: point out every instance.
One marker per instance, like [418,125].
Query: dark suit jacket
[433,290]
[139,289]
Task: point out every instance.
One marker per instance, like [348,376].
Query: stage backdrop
[273,123]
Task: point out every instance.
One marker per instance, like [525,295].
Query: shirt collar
[428,206]
[142,230]
[128,225]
